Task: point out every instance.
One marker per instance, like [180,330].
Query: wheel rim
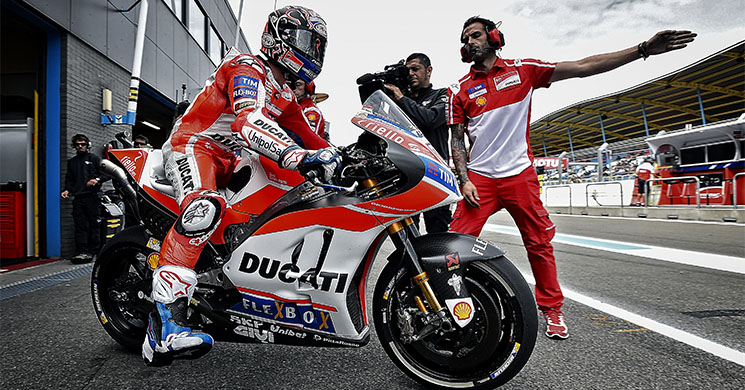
[121,277]
[470,353]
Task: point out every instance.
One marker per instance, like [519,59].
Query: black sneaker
[81,258]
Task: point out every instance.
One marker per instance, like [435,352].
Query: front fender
[444,257]
[469,248]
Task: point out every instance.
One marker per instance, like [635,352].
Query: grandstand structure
[692,121]
[708,91]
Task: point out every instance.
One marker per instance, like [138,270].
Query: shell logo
[462,311]
[481,101]
[153,260]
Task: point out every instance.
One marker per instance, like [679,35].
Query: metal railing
[545,191]
[680,179]
[647,195]
[587,193]
[734,188]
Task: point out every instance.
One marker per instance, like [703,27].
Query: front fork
[400,237]
[399,233]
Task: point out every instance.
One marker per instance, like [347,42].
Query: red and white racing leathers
[241,106]
[314,117]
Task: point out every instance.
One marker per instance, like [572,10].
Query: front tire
[485,354]
[120,287]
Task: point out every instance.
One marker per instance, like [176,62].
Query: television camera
[396,74]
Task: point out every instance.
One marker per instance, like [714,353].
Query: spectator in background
[304,94]
[140,141]
[644,172]
[83,183]
[426,107]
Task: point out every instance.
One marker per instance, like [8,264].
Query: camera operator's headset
[493,36]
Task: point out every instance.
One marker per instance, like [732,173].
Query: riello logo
[286,272]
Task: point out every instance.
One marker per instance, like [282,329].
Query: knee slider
[202,215]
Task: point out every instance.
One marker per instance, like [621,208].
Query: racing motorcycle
[290,262]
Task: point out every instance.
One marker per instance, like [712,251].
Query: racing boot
[168,337]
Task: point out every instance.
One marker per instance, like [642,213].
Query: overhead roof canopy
[668,103]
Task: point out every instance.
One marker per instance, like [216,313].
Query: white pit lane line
[698,259]
[654,253]
[665,330]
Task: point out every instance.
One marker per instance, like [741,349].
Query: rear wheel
[485,354]
[120,286]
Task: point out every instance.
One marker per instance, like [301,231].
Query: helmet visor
[310,44]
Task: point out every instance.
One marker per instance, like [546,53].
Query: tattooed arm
[460,160]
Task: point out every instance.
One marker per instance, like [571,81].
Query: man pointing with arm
[491,104]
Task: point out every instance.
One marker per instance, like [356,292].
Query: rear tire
[120,281]
[485,354]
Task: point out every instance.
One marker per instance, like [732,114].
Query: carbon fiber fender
[137,235]
[444,256]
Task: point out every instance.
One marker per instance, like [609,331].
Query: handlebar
[312,176]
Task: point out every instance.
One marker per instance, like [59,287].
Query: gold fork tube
[422,280]
[420,304]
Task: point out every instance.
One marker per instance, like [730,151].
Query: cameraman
[426,107]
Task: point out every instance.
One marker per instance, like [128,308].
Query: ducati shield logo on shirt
[507,80]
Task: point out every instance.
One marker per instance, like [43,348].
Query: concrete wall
[688,213]
[85,73]
[97,52]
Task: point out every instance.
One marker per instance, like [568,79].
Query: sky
[364,36]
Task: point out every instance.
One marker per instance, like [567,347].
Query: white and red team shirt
[314,116]
[644,171]
[496,110]
[240,86]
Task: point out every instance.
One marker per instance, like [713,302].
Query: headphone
[80,137]
[494,37]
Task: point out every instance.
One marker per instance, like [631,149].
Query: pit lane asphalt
[51,338]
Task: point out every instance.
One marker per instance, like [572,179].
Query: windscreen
[380,106]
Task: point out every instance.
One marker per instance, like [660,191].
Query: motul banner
[550,162]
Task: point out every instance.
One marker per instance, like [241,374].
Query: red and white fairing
[274,268]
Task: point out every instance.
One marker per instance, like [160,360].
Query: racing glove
[321,163]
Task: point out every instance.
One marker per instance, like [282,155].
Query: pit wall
[613,199]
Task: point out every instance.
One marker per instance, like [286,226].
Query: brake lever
[349,189]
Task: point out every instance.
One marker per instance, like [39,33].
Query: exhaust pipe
[120,178]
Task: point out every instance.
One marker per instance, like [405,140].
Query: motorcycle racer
[246,103]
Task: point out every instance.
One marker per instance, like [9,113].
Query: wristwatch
[642,50]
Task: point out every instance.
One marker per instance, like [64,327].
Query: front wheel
[485,354]
[120,287]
